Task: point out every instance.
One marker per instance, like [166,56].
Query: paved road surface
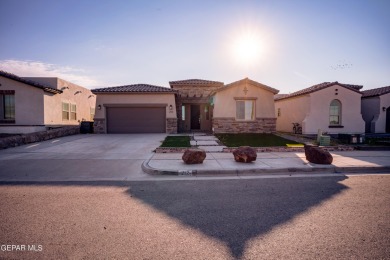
[284,218]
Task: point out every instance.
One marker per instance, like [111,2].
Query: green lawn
[176,141]
[254,140]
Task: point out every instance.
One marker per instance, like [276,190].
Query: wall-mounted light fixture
[99,107]
[170,107]
[383,109]
[64,88]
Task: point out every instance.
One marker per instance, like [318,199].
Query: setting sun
[248,48]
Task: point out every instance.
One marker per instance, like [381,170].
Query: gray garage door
[122,120]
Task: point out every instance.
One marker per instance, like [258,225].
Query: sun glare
[248,48]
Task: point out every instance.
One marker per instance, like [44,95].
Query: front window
[65,111]
[335,112]
[73,114]
[245,109]
[7,107]
[92,112]
[183,112]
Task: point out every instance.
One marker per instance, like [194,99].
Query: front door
[195,117]
[388,120]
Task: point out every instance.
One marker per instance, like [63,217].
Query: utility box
[86,127]
[324,140]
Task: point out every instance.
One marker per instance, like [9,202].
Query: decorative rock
[194,156]
[245,154]
[315,154]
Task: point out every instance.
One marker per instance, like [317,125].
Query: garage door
[122,120]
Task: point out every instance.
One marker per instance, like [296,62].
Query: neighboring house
[376,110]
[330,106]
[139,108]
[244,106]
[35,104]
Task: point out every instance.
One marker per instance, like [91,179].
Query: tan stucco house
[330,106]
[35,104]
[138,108]
[376,110]
[188,105]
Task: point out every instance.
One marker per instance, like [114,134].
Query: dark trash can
[351,138]
[86,127]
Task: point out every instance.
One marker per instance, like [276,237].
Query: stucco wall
[225,102]
[380,126]
[72,94]
[370,112]
[135,99]
[28,102]
[351,117]
[292,110]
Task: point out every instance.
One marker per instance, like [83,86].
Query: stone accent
[245,154]
[317,155]
[171,126]
[17,140]
[99,126]
[194,156]
[231,125]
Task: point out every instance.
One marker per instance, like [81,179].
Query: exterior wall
[380,126]
[318,118]
[109,99]
[224,114]
[370,112]
[28,107]
[72,94]
[231,125]
[299,105]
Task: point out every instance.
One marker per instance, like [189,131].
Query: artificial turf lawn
[254,140]
[176,141]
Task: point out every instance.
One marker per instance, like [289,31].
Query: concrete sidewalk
[223,164]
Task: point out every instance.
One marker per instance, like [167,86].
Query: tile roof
[318,87]
[135,88]
[375,92]
[30,82]
[195,82]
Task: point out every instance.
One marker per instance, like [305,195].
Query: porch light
[170,107]
[206,109]
[383,109]
[99,107]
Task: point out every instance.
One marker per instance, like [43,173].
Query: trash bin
[324,140]
[351,138]
[86,127]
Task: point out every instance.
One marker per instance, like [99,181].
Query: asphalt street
[340,217]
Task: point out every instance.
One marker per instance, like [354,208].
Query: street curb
[273,171]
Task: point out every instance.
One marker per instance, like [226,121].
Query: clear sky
[287,45]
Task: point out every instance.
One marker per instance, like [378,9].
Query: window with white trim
[92,113]
[65,111]
[245,109]
[335,112]
[73,112]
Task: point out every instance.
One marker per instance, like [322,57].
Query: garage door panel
[136,119]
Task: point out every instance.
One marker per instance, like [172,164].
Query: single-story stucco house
[36,104]
[376,110]
[331,107]
[138,108]
[188,105]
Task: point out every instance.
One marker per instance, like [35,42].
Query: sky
[287,45]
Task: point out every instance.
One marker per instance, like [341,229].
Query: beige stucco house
[139,108]
[330,106]
[376,110]
[244,106]
[35,104]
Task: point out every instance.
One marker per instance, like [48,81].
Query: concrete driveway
[80,157]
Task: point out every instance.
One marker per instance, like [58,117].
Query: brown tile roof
[195,82]
[375,92]
[318,87]
[30,82]
[135,88]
